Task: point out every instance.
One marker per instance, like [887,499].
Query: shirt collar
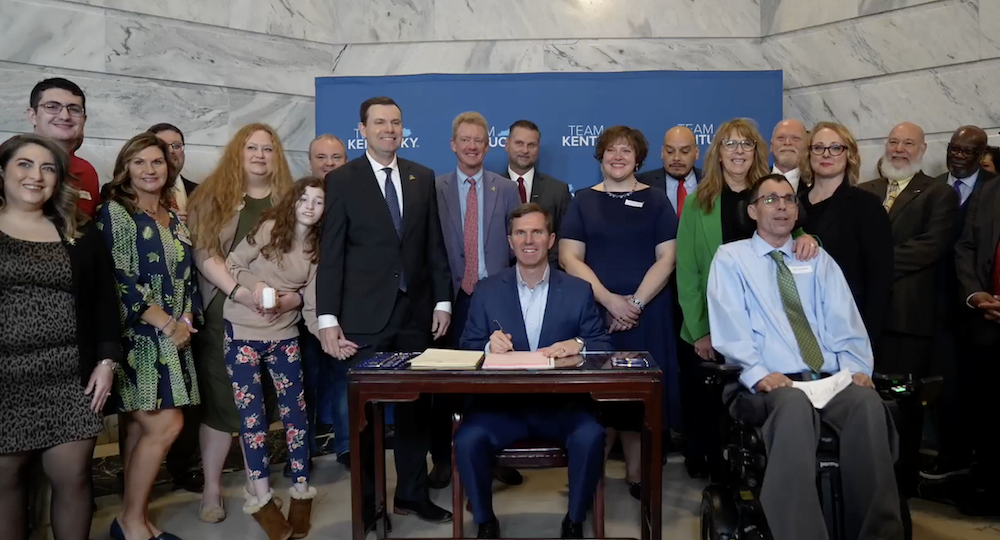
[528,176]
[376,166]
[968,181]
[524,284]
[478,177]
[691,177]
[762,248]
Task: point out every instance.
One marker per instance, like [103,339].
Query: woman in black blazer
[60,340]
[849,222]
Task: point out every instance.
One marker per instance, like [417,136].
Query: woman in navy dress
[619,236]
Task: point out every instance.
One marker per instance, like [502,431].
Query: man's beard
[892,173]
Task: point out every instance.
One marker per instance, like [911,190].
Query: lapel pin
[412,178]
[494,188]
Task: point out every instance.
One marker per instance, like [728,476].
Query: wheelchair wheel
[719,515]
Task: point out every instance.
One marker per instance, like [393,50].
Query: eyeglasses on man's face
[963,151]
[772,199]
[54,108]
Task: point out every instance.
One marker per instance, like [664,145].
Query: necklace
[620,195]
[152,213]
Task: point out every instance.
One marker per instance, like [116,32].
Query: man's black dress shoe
[490,529]
[570,529]
[193,481]
[439,477]
[508,475]
[425,510]
[344,459]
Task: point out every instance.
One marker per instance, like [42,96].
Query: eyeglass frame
[52,104]
[964,151]
[825,149]
[789,199]
[741,144]
[176,147]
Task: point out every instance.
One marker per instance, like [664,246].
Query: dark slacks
[955,362]
[412,437]
[907,354]
[484,433]
[444,404]
[791,434]
[326,391]
[985,438]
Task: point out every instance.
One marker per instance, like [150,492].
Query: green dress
[153,267]
[216,387]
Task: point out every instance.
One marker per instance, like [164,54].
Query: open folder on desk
[447,359]
[518,360]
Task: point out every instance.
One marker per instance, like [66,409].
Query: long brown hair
[711,186]
[283,233]
[61,207]
[853,171]
[219,196]
[120,189]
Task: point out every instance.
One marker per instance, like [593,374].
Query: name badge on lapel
[182,235]
[800,269]
[85,195]
[633,204]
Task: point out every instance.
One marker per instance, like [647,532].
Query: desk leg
[652,483]
[356,412]
[378,424]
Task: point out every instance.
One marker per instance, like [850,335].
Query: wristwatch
[583,344]
[108,362]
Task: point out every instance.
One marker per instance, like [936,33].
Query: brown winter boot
[300,511]
[268,516]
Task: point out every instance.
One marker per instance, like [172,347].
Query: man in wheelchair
[781,321]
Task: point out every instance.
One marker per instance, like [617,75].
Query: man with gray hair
[788,147]
[923,213]
[326,153]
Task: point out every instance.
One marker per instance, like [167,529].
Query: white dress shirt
[329,321]
[792,176]
[529,180]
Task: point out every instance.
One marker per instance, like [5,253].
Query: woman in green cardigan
[714,216]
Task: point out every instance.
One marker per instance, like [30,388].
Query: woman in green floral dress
[154,270]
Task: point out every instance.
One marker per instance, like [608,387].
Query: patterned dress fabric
[153,266]
[42,396]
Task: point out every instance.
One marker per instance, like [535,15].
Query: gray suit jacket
[500,198]
[552,195]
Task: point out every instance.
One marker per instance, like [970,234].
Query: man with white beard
[788,148]
[923,213]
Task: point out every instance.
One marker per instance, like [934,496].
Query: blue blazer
[500,198]
[570,312]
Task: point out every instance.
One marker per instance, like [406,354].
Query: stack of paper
[447,359]
[518,360]
[820,392]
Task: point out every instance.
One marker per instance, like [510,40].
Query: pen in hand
[500,341]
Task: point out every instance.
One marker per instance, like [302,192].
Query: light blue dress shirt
[533,303]
[690,184]
[966,187]
[463,192]
[748,322]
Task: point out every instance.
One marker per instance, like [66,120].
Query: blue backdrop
[571,109]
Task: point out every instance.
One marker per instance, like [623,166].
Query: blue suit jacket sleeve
[476,334]
[592,329]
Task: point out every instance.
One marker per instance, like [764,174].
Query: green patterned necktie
[808,345]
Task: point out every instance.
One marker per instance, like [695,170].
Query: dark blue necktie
[392,202]
[958,189]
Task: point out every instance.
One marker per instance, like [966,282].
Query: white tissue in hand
[821,391]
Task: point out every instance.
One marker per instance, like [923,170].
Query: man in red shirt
[58,111]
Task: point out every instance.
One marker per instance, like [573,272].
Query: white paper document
[821,391]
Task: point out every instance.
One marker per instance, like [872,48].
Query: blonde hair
[471,117]
[853,171]
[218,197]
[61,208]
[711,186]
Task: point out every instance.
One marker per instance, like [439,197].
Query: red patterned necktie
[471,239]
[520,189]
[682,194]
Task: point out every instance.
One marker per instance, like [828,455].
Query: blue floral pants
[244,363]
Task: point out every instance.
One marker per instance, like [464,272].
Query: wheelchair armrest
[717,373]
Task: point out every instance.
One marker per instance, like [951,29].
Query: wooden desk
[592,373]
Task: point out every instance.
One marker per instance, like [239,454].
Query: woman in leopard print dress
[59,343]
[154,270]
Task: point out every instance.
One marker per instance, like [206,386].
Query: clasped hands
[624,313]
[335,344]
[776,380]
[501,343]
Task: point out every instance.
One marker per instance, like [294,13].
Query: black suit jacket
[361,256]
[658,178]
[922,218]
[856,232]
[975,255]
[189,186]
[552,195]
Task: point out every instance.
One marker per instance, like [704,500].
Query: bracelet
[108,362]
[171,334]
[232,293]
[166,324]
[187,320]
[638,303]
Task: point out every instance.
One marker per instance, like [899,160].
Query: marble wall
[210,67]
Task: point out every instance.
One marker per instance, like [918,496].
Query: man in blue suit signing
[540,309]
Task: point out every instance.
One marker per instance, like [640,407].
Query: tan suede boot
[268,516]
[300,511]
